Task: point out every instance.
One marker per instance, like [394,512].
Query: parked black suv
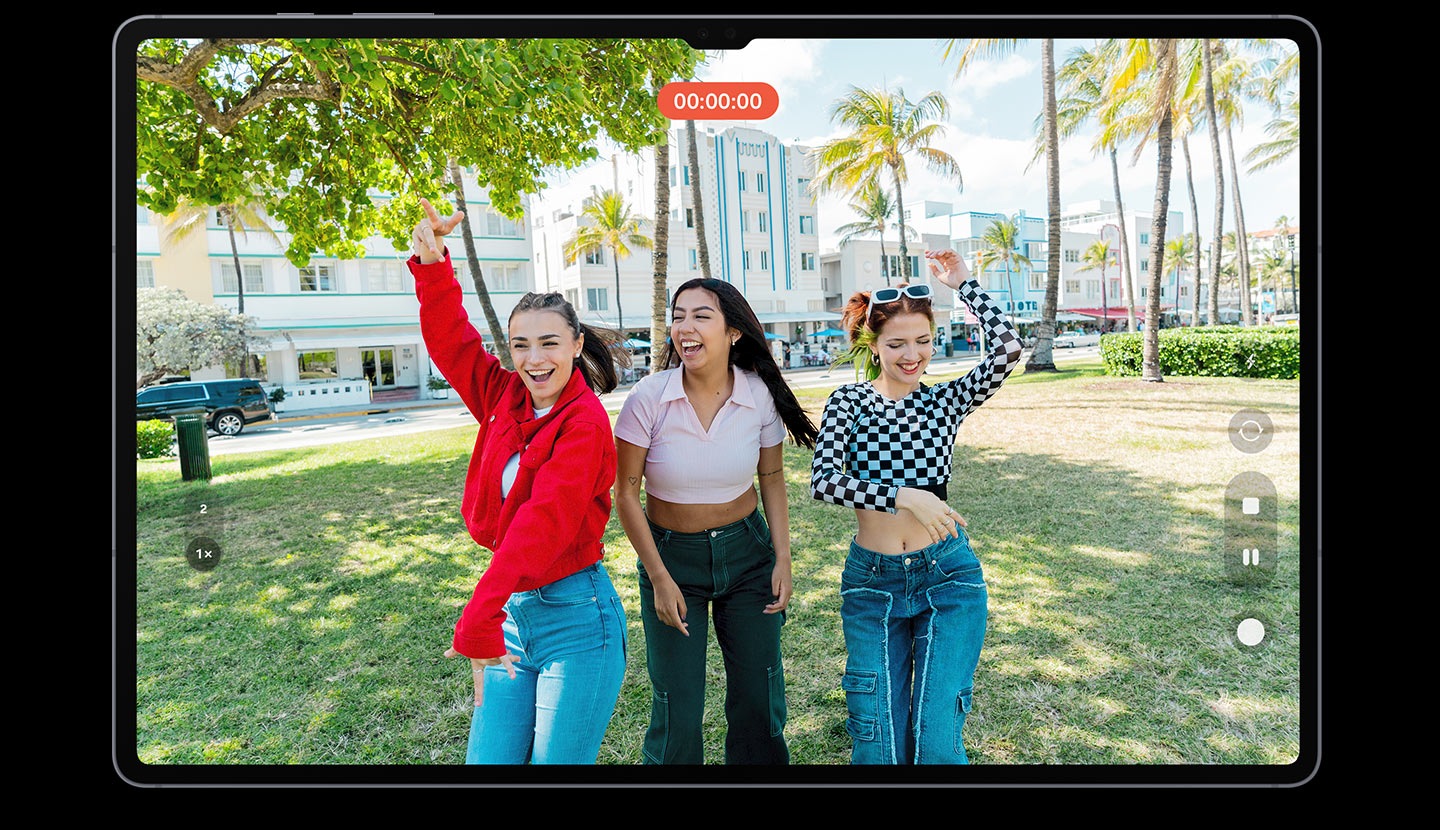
[229,404]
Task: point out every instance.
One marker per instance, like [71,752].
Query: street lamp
[1294,303]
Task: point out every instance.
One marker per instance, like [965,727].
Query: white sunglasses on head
[881,296]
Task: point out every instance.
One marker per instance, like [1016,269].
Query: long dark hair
[597,356]
[749,352]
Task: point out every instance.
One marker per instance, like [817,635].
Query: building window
[595,257]
[1144,291]
[1114,289]
[597,299]
[1144,238]
[317,365]
[496,224]
[385,276]
[803,185]
[742,181]
[312,278]
[1037,280]
[694,259]
[1092,288]
[254,278]
[762,220]
[689,217]
[1072,255]
[760,182]
[144,273]
[745,260]
[507,276]
[1184,290]
[672,175]
[1144,266]
[807,224]
[687,175]
[572,296]
[744,220]
[764,260]
[1072,286]
[807,261]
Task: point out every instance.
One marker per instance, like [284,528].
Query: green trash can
[192,442]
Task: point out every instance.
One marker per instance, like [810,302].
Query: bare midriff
[693,518]
[890,533]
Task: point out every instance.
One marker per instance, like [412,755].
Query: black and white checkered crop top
[870,446]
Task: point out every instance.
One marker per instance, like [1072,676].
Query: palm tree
[659,291]
[613,227]
[697,202]
[1178,252]
[1082,77]
[1151,65]
[1231,78]
[1284,130]
[875,208]
[472,260]
[884,128]
[244,216]
[1096,256]
[1000,243]
[1041,357]
[1213,123]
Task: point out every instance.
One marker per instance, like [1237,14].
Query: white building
[340,331]
[760,227]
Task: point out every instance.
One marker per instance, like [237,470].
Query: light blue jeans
[570,637]
[914,625]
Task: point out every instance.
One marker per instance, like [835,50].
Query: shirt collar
[741,394]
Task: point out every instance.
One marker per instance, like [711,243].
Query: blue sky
[994,110]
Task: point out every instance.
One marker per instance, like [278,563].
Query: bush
[1212,351]
[154,439]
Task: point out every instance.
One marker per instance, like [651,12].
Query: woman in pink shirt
[698,433]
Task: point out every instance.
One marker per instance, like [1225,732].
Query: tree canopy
[174,334]
[325,126]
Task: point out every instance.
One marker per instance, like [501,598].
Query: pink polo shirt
[684,463]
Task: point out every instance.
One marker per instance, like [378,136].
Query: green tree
[174,334]
[613,227]
[884,127]
[875,208]
[1179,252]
[329,121]
[477,276]
[1212,121]
[1000,243]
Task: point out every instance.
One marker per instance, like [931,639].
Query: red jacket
[551,524]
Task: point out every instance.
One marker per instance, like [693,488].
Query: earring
[875,358]
[736,340]
[577,355]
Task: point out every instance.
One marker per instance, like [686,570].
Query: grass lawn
[1095,504]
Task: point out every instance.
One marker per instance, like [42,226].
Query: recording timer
[718,101]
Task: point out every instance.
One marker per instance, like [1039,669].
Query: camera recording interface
[1150,548]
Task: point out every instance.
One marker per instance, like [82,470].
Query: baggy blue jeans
[570,637]
[914,624]
[728,568]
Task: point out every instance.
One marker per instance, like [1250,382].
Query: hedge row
[1214,351]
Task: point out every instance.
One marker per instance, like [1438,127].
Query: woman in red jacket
[544,628]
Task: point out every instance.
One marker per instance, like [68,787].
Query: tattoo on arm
[633,480]
[773,472]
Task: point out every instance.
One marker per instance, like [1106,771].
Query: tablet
[1143,493]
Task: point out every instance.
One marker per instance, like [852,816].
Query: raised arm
[1003,341]
[453,342]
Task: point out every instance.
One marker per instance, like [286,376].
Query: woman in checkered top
[912,595]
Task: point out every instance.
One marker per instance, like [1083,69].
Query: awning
[832,332]
[775,317]
[1113,312]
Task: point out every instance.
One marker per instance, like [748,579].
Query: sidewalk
[813,375]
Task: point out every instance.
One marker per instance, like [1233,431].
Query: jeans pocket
[777,700]
[571,590]
[863,722]
[855,575]
[963,702]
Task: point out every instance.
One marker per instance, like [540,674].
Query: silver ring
[477,671]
